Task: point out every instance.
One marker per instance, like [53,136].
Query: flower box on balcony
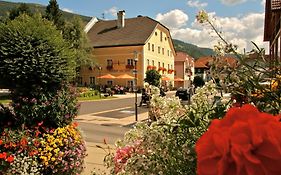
[149,67]
[109,67]
[129,66]
[170,71]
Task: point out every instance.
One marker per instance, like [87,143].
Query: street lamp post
[99,81]
[135,84]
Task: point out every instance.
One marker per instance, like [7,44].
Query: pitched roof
[204,62]
[136,32]
[181,56]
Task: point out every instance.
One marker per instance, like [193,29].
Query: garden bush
[34,56]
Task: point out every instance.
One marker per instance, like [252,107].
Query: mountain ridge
[5,7]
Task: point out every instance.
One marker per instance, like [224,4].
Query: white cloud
[237,30]
[263,3]
[173,19]
[67,10]
[196,4]
[232,2]
[112,11]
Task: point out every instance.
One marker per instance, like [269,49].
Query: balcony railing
[109,67]
[129,66]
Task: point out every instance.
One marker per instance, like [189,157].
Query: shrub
[152,77]
[54,110]
[167,146]
[34,56]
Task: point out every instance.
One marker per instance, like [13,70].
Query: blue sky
[236,18]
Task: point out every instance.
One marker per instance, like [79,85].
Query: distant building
[202,65]
[116,44]
[272,30]
[184,69]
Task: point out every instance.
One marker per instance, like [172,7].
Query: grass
[6,99]
[94,98]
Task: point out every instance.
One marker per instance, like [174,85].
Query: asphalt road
[97,133]
[105,105]
[110,104]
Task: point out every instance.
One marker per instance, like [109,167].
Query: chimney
[121,19]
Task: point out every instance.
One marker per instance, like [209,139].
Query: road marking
[112,110]
[128,112]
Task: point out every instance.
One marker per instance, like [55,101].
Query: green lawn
[6,99]
[93,98]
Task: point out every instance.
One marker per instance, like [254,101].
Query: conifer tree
[15,12]
[54,14]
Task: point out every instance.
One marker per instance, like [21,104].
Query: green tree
[33,56]
[198,81]
[54,14]
[73,32]
[15,12]
[153,77]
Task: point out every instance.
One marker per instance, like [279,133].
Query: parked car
[183,94]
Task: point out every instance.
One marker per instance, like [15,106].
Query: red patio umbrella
[178,79]
[124,76]
[165,78]
[107,76]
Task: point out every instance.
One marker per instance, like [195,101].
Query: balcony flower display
[149,67]
[170,71]
[162,69]
[129,66]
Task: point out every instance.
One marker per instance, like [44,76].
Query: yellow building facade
[117,44]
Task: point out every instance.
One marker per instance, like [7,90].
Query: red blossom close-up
[245,141]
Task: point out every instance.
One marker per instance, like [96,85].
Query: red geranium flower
[3,155]
[1,142]
[244,142]
[10,159]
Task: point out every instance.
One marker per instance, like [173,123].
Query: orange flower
[245,141]
[23,142]
[10,159]
[33,152]
[75,124]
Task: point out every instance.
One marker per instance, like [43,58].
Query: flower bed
[40,150]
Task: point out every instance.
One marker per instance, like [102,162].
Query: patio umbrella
[125,76]
[107,76]
[178,79]
[165,78]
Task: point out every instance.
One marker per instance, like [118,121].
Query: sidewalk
[94,160]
